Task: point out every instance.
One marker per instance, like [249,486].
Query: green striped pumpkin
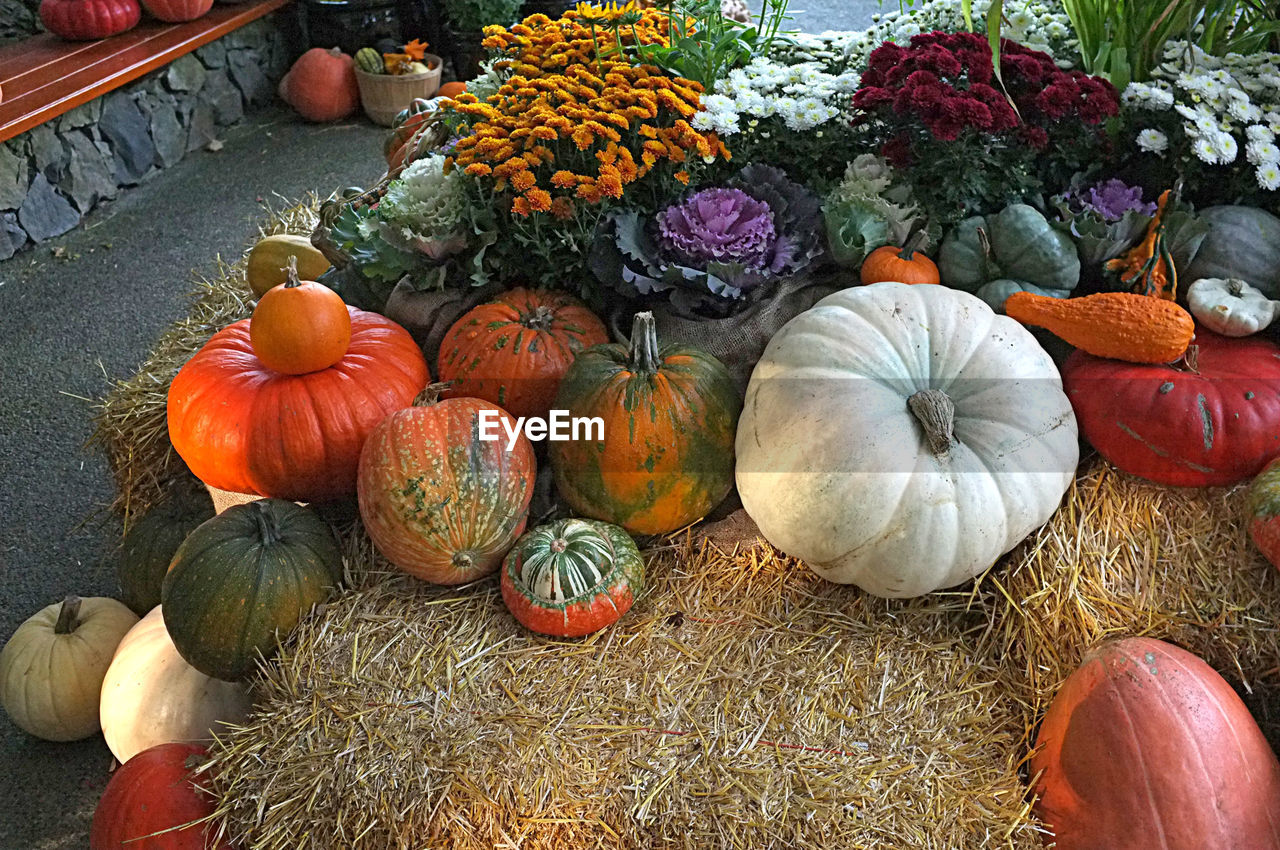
[572,577]
[369,60]
[241,582]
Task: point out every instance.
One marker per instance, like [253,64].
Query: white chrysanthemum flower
[1244,112]
[1204,151]
[715,103]
[1153,141]
[1225,147]
[1206,124]
[1187,112]
[1260,152]
[1269,177]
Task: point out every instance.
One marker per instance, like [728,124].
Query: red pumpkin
[152,793]
[1146,746]
[438,501]
[244,427]
[83,20]
[1217,425]
[177,11]
[321,85]
[514,350]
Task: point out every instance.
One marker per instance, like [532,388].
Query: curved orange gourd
[513,351]
[1118,325]
[244,427]
[438,501]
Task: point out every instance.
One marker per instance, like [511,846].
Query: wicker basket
[385,95]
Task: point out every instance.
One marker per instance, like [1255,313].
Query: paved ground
[83,310]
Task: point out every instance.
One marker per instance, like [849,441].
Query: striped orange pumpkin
[438,501]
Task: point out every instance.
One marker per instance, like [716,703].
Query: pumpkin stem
[1191,359]
[67,616]
[559,545]
[431,393]
[540,319]
[1235,287]
[936,413]
[463,560]
[644,345]
[913,243]
[267,528]
[291,273]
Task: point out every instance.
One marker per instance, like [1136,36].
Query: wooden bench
[44,76]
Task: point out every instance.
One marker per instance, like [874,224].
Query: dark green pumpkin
[241,582]
[669,417]
[150,542]
[1017,244]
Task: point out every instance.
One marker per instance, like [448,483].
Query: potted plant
[465,20]
[391,81]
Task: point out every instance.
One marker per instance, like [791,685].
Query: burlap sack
[427,316]
[739,340]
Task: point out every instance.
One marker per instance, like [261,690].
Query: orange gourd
[300,326]
[903,265]
[1117,325]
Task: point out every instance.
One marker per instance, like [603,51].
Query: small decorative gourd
[369,60]
[300,326]
[267,264]
[905,265]
[1117,325]
[51,670]
[1230,306]
[572,577]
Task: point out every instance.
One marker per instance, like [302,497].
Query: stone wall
[53,174]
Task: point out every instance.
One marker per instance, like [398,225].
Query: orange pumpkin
[904,265]
[451,89]
[300,326]
[321,85]
[438,500]
[247,428]
[669,418]
[1146,746]
[514,350]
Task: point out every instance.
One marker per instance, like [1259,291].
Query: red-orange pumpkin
[150,795]
[1146,746]
[300,326]
[440,502]
[904,265]
[177,11]
[85,20]
[321,85]
[514,350]
[244,427]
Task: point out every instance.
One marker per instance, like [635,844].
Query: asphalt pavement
[81,311]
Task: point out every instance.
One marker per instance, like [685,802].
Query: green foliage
[475,15]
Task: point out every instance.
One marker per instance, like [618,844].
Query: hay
[742,703]
[129,424]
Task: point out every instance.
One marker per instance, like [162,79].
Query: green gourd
[241,582]
[369,60]
[1016,245]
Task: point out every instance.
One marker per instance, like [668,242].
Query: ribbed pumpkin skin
[572,577]
[886,263]
[153,792]
[241,582]
[177,11]
[85,20]
[439,502]
[1147,747]
[321,85]
[149,545]
[667,455]
[1242,242]
[1119,325]
[245,428]
[1218,427]
[1264,512]
[515,350]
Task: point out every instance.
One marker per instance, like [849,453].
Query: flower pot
[384,96]
[177,11]
[466,53]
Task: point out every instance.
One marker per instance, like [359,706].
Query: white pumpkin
[152,696]
[51,670]
[902,438]
[1230,306]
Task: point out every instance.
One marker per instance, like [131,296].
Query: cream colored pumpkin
[152,696]
[901,438]
[51,670]
[1230,306]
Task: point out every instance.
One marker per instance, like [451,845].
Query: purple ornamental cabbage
[1113,198]
[718,226]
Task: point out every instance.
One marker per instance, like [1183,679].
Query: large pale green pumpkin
[1015,249]
[1242,243]
[241,581]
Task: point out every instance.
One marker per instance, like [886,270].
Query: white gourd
[1230,307]
[902,438]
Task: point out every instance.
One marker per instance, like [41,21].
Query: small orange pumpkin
[300,326]
[451,89]
[904,265]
